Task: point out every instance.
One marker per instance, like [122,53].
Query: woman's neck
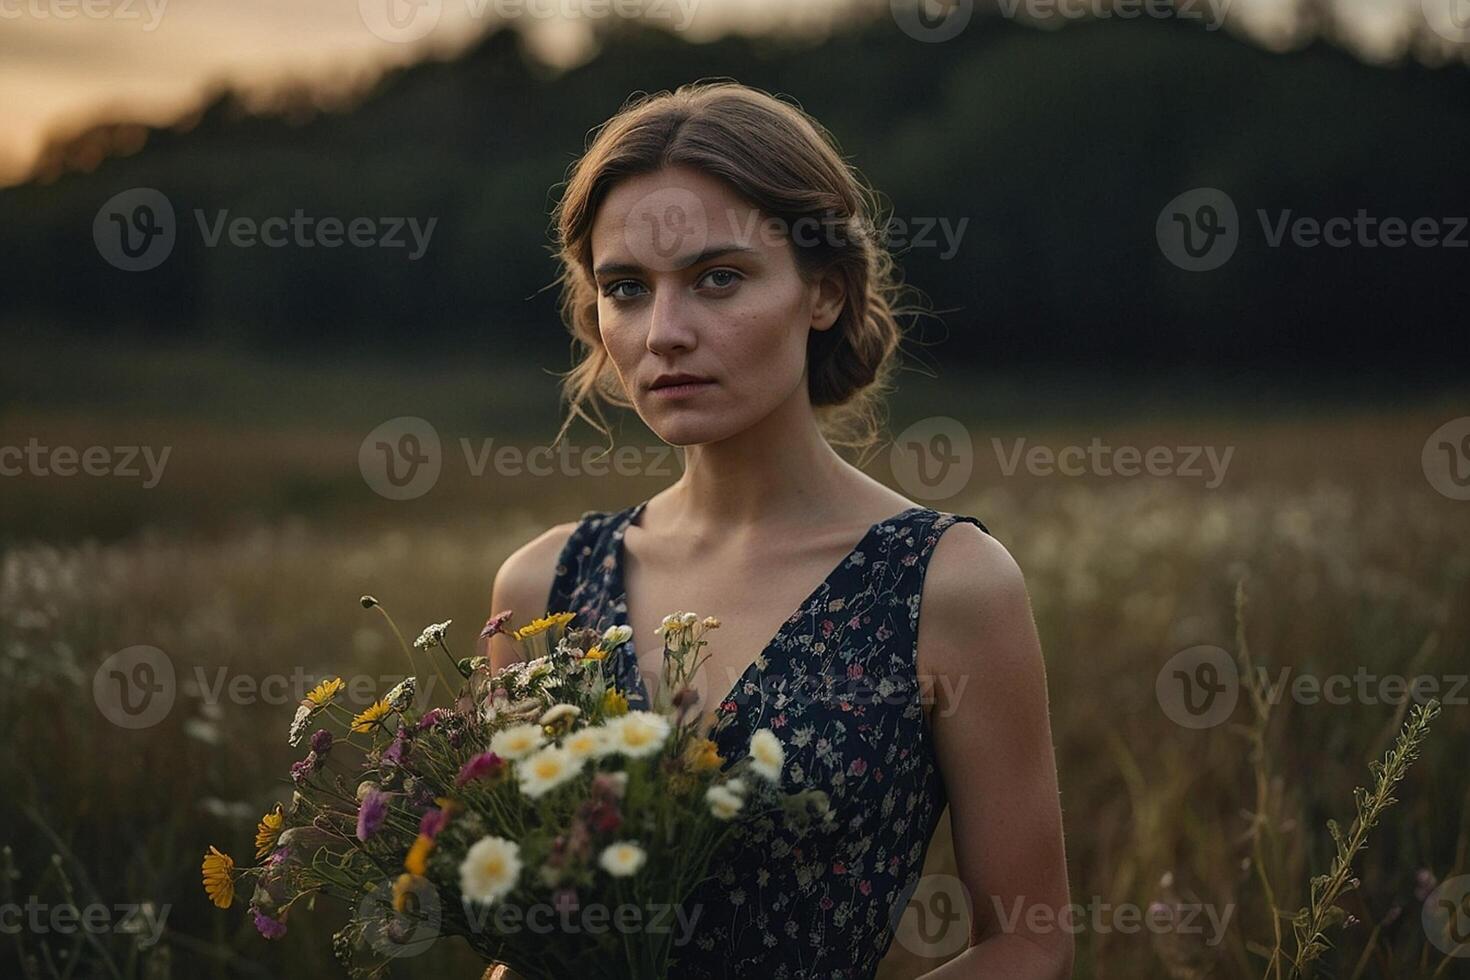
[780,472]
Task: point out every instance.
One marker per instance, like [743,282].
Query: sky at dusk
[65,64]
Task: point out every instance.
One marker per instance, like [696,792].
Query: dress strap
[585,561]
[926,539]
[909,549]
[574,566]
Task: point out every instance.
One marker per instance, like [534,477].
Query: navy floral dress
[838,686]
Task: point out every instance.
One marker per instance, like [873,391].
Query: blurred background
[279,329]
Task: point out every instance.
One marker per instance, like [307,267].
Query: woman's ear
[831,297]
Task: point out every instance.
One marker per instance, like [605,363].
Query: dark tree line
[1038,161]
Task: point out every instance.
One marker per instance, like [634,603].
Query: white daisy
[586,743]
[767,754]
[723,804]
[622,859]
[559,711]
[546,770]
[638,733]
[517,741]
[490,869]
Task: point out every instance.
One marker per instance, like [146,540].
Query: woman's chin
[687,427]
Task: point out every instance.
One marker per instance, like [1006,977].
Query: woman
[723,277]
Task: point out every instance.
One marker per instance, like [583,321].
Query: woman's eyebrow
[631,268]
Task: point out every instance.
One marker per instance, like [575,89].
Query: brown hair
[788,166]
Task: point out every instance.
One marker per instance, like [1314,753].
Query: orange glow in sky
[65,64]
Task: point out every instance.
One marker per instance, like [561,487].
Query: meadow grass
[1351,562]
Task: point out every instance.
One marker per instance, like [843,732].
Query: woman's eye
[720,278]
[621,289]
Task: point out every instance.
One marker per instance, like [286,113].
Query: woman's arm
[978,643]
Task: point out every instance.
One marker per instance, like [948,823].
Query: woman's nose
[670,323]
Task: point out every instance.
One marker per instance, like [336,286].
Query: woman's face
[693,280]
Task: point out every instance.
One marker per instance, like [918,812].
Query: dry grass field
[245,563]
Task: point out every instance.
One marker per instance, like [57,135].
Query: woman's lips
[681,390]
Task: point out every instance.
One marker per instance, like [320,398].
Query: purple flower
[432,822]
[495,624]
[268,927]
[601,816]
[482,765]
[277,856]
[394,753]
[371,813]
[606,786]
[431,718]
[321,742]
[302,769]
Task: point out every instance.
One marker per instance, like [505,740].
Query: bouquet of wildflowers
[535,815]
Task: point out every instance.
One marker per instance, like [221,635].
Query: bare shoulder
[974,605]
[523,583]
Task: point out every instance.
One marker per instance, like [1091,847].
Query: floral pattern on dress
[838,686]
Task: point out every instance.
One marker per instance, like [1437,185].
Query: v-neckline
[627,650]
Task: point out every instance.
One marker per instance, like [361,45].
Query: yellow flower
[375,713]
[543,624]
[417,861]
[613,703]
[322,695]
[268,831]
[703,755]
[402,887]
[680,783]
[596,653]
[219,877]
